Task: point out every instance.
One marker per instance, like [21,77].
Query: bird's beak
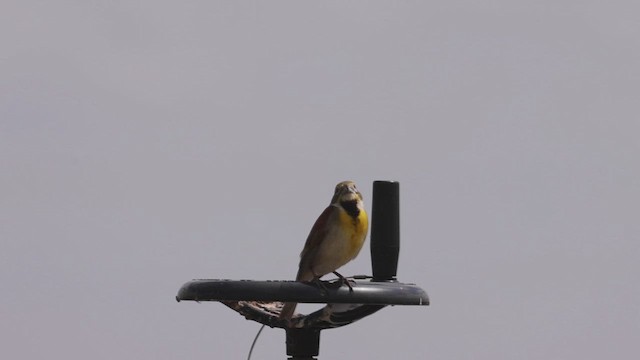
[352,192]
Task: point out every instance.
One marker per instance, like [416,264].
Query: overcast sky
[147,143]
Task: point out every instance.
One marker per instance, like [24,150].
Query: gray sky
[146,143]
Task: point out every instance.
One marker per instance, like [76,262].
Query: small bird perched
[335,239]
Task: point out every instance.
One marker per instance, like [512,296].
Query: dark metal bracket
[262,301]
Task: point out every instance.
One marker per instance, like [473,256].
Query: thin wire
[254,342]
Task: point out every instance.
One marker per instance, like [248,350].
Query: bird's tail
[287,310]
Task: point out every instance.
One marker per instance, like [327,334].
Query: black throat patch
[351,207]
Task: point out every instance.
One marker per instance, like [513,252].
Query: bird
[335,239]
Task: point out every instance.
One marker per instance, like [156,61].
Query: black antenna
[262,300]
[385,230]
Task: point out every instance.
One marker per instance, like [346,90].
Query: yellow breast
[356,232]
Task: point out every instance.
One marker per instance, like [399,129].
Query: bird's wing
[316,235]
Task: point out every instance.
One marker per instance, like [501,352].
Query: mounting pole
[303,343]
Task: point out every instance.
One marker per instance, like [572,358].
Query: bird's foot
[345,281]
[321,285]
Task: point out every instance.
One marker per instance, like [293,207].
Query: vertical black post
[303,344]
[385,230]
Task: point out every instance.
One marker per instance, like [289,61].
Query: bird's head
[346,191]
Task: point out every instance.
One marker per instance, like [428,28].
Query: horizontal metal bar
[364,292]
